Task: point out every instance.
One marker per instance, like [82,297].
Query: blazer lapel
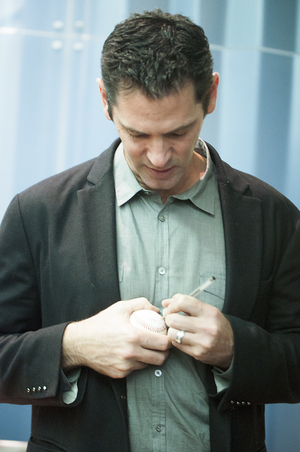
[97,207]
[242,219]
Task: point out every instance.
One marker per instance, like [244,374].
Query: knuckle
[214,332]
[133,336]
[166,345]
[118,374]
[160,359]
[172,320]
[127,353]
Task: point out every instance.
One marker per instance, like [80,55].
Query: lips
[161,173]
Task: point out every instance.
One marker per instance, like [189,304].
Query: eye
[136,135]
[179,134]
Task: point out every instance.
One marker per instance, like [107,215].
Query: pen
[200,288]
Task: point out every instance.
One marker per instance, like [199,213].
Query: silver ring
[179,337]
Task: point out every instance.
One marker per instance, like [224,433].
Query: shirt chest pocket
[215,293]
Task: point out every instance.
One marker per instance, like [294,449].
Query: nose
[159,153]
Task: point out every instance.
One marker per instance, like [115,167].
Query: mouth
[160,173]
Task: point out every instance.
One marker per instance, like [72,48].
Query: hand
[109,344]
[208,334]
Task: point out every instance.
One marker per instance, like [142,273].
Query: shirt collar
[127,186]
[125,182]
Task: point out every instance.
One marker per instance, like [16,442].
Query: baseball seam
[152,328]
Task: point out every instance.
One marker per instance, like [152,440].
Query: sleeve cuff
[70,391]
[222,378]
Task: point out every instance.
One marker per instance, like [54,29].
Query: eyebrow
[178,129]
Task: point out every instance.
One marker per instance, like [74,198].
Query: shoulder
[56,195]
[251,186]
[71,180]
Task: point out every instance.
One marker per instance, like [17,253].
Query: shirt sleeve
[70,394]
[222,378]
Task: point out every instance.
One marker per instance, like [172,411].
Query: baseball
[149,320]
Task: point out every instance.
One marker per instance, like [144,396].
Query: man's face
[159,137]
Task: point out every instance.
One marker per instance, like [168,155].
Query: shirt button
[158,373]
[158,428]
[161,270]
[161,218]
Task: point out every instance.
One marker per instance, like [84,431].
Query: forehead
[134,109]
[126,90]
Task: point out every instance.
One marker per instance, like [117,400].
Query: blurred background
[51,116]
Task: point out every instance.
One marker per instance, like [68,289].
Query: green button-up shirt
[165,249]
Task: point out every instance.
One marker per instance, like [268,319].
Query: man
[140,227]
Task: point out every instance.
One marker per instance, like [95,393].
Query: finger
[183,303]
[172,305]
[179,337]
[153,341]
[175,297]
[153,357]
[185,343]
[165,303]
[137,304]
[182,322]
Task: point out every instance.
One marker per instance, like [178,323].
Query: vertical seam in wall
[63,116]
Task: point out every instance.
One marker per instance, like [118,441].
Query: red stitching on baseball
[148,327]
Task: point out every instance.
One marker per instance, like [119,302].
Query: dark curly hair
[157,53]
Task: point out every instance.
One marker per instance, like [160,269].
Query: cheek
[133,153]
[186,150]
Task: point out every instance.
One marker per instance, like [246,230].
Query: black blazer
[58,264]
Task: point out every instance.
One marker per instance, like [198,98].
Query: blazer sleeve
[266,366]
[30,354]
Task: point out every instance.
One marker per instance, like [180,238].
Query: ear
[213,93]
[103,97]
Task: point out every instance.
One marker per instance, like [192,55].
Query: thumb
[140,303]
